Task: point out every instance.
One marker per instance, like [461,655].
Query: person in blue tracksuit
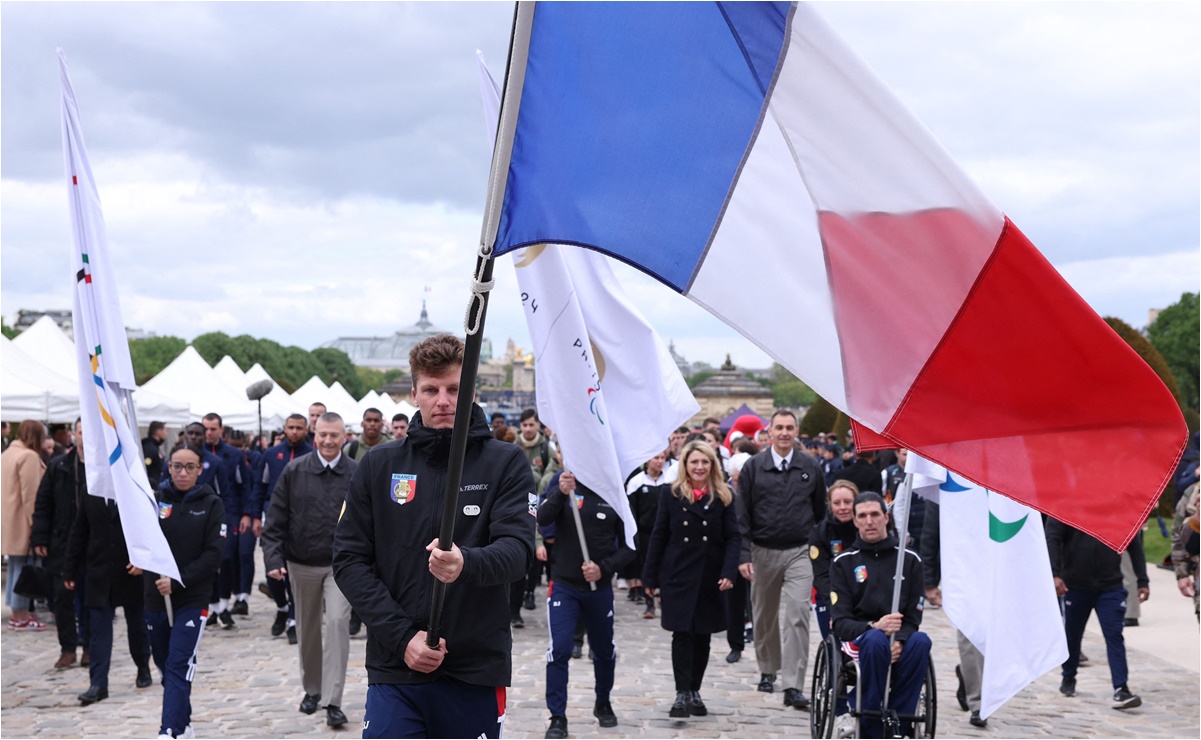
[194,524]
[266,474]
[233,485]
[581,589]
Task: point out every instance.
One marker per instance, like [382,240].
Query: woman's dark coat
[98,544]
[692,547]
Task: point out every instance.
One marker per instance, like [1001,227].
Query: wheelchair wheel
[824,691]
[927,706]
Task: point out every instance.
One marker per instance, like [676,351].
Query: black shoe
[212,619]
[227,620]
[517,622]
[292,635]
[577,651]
[334,717]
[356,624]
[961,692]
[1123,699]
[265,590]
[977,720]
[696,707]
[603,711]
[241,608]
[143,681]
[1067,687]
[92,695]
[309,703]
[1130,622]
[632,594]
[280,624]
[734,656]
[767,682]
[558,727]
[528,603]
[680,707]
[795,699]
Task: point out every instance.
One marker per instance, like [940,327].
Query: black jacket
[603,531]
[98,546]
[861,583]
[304,512]
[152,451]
[863,474]
[394,510]
[59,494]
[830,538]
[195,528]
[692,546]
[1085,563]
[777,509]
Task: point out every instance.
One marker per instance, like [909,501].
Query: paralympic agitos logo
[596,362]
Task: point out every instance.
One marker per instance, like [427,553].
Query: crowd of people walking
[754,532]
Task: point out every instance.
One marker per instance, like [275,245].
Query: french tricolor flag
[717,146]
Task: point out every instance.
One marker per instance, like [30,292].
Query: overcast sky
[304,171]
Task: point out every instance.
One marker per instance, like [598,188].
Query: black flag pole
[481,286]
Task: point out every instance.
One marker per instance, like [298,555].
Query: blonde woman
[691,559]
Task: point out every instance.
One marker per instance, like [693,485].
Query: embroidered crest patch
[861,573]
[533,499]
[164,511]
[404,488]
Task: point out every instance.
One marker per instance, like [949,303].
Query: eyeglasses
[180,467]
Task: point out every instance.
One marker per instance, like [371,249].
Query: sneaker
[240,608]
[577,651]
[650,609]
[680,707]
[212,619]
[29,625]
[292,635]
[188,733]
[844,725]
[1123,699]
[227,620]
[1067,686]
[603,711]
[558,727]
[280,624]
[528,603]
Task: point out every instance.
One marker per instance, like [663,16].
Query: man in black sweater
[1088,575]
[581,589]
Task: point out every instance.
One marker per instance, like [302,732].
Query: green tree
[337,366]
[150,356]
[787,389]
[1176,334]
[820,418]
[697,378]
[8,331]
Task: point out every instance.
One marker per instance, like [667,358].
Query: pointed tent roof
[229,372]
[189,376]
[278,399]
[313,391]
[339,400]
[32,391]
[49,345]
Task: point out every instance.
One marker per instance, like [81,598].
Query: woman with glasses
[692,558]
[193,522]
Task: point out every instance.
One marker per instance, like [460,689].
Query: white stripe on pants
[322,662]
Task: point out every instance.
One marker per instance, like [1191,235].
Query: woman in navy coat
[692,558]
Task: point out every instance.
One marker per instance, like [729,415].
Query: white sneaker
[188,732]
[844,726]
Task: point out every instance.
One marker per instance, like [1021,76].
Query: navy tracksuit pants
[443,708]
[1111,611]
[174,650]
[565,606]
[908,674]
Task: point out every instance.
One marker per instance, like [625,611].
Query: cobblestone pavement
[248,686]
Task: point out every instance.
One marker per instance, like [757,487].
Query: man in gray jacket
[298,540]
[781,495]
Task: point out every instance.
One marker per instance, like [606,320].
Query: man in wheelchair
[861,616]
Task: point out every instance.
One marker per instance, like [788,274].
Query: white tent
[189,376]
[46,343]
[30,390]
[48,346]
[231,374]
[237,381]
[342,402]
[313,391]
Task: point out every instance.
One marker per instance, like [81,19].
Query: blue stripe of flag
[113,458]
[634,120]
